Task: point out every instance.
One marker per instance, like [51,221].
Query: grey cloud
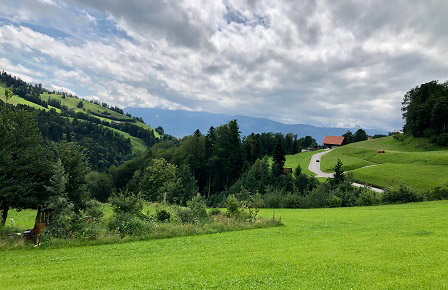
[164,18]
[319,62]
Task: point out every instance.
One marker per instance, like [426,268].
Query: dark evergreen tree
[279,157]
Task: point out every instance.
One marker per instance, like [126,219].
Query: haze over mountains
[180,123]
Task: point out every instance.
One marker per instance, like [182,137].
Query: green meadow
[412,162]
[302,159]
[383,247]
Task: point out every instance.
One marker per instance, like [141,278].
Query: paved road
[314,166]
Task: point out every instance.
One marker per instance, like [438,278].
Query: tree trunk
[5,209]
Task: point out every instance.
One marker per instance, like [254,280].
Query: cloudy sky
[329,63]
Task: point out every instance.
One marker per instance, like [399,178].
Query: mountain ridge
[180,123]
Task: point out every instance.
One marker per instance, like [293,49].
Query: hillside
[411,161]
[181,123]
[107,117]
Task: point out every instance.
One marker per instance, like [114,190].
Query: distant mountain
[181,123]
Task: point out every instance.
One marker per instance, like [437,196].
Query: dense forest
[425,111]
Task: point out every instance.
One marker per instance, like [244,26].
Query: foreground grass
[394,247]
[413,162]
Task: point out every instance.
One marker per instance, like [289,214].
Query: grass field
[385,247]
[302,159]
[413,162]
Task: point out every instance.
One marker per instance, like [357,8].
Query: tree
[158,177]
[80,104]
[58,180]
[8,94]
[25,161]
[360,135]
[339,175]
[279,157]
[348,137]
[160,130]
[76,167]
[439,115]
[229,154]
[185,186]
[99,185]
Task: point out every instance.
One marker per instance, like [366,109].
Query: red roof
[333,140]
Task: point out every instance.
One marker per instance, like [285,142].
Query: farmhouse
[334,141]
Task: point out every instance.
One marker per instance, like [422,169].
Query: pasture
[302,159]
[413,162]
[393,246]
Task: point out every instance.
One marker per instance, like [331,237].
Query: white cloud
[320,62]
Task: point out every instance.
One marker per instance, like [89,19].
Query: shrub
[233,206]
[402,195]
[438,193]
[214,211]
[93,210]
[198,208]
[163,215]
[127,203]
[334,201]
[256,200]
[318,197]
[442,139]
[185,215]
[126,224]
[368,198]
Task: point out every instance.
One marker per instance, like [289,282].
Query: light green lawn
[384,247]
[402,163]
[302,159]
[16,100]
[137,144]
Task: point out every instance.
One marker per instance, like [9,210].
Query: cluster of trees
[360,135]
[216,165]
[34,170]
[425,111]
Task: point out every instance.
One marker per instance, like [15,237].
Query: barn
[334,141]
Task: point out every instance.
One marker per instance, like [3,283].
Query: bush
[126,224]
[93,211]
[214,211]
[442,139]
[185,215]
[334,201]
[402,195]
[163,215]
[198,208]
[368,198]
[438,193]
[127,203]
[233,206]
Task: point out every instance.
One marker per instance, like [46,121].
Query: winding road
[314,167]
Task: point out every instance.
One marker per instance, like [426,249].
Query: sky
[325,63]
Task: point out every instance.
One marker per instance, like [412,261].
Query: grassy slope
[413,162]
[393,247]
[303,159]
[137,144]
[72,103]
